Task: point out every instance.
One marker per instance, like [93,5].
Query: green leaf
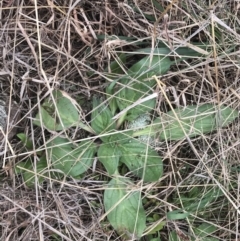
[177,214]
[139,87]
[124,207]
[101,117]
[147,67]
[67,109]
[116,70]
[112,101]
[60,116]
[174,237]
[109,156]
[48,121]
[72,160]
[117,137]
[158,6]
[156,228]
[155,239]
[182,51]
[193,120]
[25,140]
[204,230]
[202,200]
[116,65]
[27,170]
[131,94]
[143,161]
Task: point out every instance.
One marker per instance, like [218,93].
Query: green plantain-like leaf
[143,161]
[157,228]
[139,87]
[60,116]
[124,207]
[48,121]
[67,108]
[116,65]
[193,120]
[116,71]
[116,138]
[27,142]
[205,229]
[201,200]
[182,51]
[109,153]
[109,156]
[70,159]
[200,233]
[27,169]
[147,67]
[102,121]
[177,214]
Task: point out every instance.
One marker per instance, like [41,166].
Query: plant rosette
[115,145]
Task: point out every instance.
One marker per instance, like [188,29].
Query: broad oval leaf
[48,120]
[143,161]
[131,94]
[70,159]
[193,120]
[101,117]
[66,106]
[139,87]
[109,156]
[147,67]
[124,208]
[60,116]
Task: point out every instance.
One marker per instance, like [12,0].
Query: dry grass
[56,44]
